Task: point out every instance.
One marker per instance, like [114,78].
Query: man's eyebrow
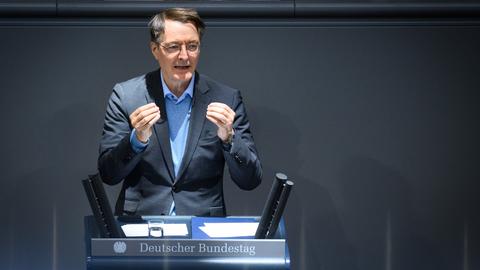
[182,41]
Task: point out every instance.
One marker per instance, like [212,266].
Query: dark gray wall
[376,124]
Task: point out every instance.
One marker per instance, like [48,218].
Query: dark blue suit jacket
[148,177]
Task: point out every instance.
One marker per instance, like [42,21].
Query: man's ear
[155,49]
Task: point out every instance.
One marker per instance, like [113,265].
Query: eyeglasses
[174,48]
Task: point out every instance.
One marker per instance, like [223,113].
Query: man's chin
[183,77]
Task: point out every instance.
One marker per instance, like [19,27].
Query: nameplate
[245,248]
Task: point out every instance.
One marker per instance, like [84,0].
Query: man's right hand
[142,119]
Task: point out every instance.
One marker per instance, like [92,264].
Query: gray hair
[184,15]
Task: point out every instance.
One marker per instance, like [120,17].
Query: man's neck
[177,88]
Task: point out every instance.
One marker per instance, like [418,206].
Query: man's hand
[222,116]
[142,119]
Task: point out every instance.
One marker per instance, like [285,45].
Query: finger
[147,112]
[154,120]
[143,108]
[219,109]
[147,106]
[229,115]
[142,114]
[224,120]
[215,121]
[220,112]
[144,122]
[220,105]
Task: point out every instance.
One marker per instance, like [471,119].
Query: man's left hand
[222,116]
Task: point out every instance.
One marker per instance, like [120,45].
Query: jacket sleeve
[116,158]
[242,159]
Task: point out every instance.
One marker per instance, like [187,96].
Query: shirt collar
[169,94]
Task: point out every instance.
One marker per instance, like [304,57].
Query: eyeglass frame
[181,44]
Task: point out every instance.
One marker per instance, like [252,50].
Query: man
[168,134]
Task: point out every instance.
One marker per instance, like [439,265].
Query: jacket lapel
[155,94]
[200,102]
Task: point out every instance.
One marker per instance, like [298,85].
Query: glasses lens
[172,48]
[192,47]
[175,48]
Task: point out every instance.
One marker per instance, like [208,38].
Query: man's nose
[183,52]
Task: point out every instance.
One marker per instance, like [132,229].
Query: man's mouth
[182,67]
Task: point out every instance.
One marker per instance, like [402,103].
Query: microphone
[273,210]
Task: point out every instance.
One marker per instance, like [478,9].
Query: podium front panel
[170,253]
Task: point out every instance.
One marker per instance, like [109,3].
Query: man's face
[178,66]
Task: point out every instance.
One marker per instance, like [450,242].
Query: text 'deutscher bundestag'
[251,248]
